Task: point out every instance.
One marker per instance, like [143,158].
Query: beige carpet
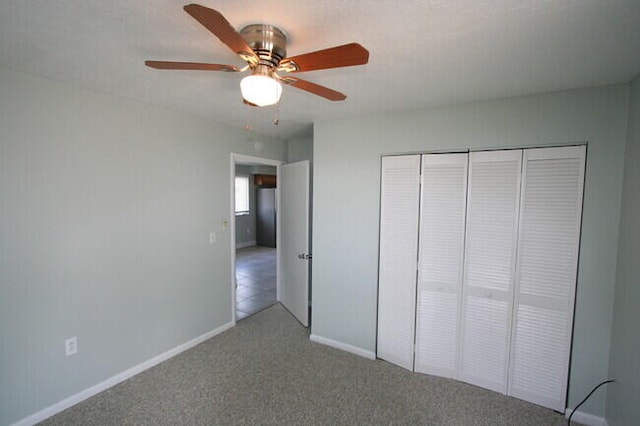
[265,371]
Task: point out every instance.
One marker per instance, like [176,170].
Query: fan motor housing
[267,41]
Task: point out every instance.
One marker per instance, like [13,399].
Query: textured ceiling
[422,53]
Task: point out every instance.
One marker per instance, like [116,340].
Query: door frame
[243,159]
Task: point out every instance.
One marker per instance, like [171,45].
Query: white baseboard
[343,346]
[585,418]
[246,244]
[118,378]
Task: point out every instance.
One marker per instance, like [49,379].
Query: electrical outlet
[71,346]
[248,231]
[212,237]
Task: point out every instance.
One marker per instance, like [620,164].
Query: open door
[294,234]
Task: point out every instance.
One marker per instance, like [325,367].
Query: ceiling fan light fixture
[260,90]
[263,47]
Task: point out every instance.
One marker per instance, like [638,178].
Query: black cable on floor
[585,399]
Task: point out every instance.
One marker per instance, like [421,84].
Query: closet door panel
[486,328]
[490,255]
[549,233]
[440,264]
[400,202]
[539,372]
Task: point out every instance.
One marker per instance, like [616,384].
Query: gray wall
[346,178]
[105,211]
[624,394]
[299,149]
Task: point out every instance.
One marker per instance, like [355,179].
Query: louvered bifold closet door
[399,205]
[440,262]
[490,248]
[550,217]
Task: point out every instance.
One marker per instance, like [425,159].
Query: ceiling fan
[263,47]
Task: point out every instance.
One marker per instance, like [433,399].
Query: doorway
[256,279]
[254,250]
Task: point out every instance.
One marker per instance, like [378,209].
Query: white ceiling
[422,53]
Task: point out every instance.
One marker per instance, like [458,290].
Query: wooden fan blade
[335,57]
[166,65]
[221,28]
[316,89]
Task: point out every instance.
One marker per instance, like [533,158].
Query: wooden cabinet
[265,181]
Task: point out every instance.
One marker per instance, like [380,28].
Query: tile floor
[256,278]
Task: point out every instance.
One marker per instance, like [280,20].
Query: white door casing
[237,159]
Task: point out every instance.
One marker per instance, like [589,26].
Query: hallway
[256,278]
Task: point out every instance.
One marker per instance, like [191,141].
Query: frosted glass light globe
[260,90]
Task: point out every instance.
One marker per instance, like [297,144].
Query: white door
[294,259]
[548,242]
[399,206]
[490,259]
[440,263]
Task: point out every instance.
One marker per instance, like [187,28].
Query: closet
[478,264]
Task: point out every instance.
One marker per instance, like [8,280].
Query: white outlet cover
[71,346]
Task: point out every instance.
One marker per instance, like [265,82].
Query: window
[242,195]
